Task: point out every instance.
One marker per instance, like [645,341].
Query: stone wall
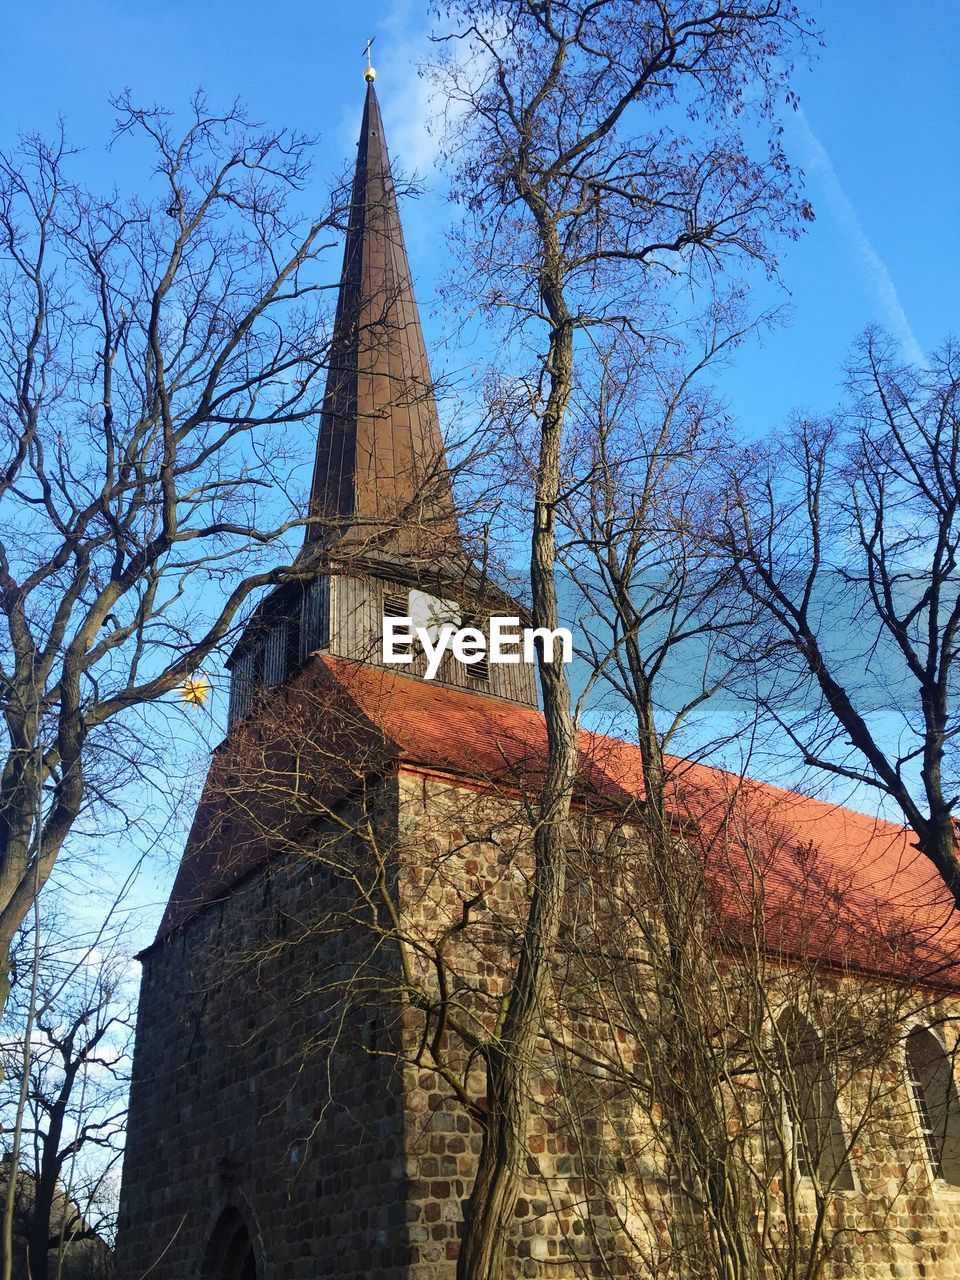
[600,1194]
[299,1064]
[249,1090]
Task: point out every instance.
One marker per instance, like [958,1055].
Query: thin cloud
[405,97]
[817,163]
[412,104]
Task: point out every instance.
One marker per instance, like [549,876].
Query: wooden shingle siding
[241,687]
[275,654]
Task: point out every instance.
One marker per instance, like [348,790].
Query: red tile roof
[851,887]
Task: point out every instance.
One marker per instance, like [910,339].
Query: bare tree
[723,1089]
[843,533]
[581,208]
[77,1073]
[653,610]
[153,351]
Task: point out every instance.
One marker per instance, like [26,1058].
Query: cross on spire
[369,74]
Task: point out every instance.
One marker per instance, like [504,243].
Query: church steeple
[385,541]
[380,479]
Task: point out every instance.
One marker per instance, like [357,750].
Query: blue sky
[878,136]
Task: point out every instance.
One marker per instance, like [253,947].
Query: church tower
[383,536]
[261,1142]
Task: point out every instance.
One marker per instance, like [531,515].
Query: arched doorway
[230,1254]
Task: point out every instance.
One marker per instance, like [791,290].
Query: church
[308,1088]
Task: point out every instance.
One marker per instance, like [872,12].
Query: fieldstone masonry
[238,1100]
[277,1079]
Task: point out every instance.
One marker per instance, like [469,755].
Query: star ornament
[195,690]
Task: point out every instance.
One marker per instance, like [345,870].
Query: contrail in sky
[818,162]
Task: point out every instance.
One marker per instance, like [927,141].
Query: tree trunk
[510,1063]
[11,1199]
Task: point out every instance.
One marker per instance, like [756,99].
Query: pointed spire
[380,474]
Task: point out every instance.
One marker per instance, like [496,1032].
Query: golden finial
[195,690]
[369,74]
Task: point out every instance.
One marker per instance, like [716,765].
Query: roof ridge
[772,789]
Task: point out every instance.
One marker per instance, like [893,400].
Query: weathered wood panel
[356,632]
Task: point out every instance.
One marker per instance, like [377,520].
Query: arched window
[933,1090]
[810,1102]
[230,1254]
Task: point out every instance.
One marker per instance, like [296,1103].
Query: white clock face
[432,614]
